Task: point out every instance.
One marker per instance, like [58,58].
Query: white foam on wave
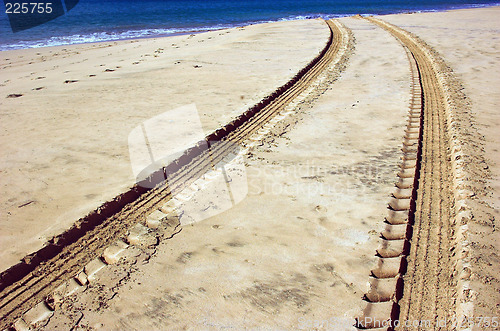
[143,33]
[105,36]
[151,33]
[456,7]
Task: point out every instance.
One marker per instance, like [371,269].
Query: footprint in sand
[69,81]
[92,75]
[38,88]
[15,95]
[109,70]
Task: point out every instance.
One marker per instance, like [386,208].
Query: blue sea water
[104,20]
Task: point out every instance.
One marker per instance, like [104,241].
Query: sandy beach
[65,146]
[298,250]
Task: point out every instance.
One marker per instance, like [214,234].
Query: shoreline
[241,24]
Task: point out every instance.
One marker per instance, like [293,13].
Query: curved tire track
[32,281]
[414,280]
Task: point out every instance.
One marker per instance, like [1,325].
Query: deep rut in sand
[26,288]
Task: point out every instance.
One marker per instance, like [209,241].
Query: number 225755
[28,8]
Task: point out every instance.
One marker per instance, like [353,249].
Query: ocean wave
[467,6]
[105,36]
[159,32]
[138,34]
[313,16]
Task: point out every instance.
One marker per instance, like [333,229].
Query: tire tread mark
[33,286]
[427,288]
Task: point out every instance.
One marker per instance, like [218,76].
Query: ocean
[105,20]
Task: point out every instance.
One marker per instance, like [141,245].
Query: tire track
[32,281]
[417,285]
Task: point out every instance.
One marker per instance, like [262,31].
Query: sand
[297,251]
[468,40]
[303,255]
[64,147]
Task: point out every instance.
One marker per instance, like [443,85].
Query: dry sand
[469,41]
[64,147]
[300,246]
